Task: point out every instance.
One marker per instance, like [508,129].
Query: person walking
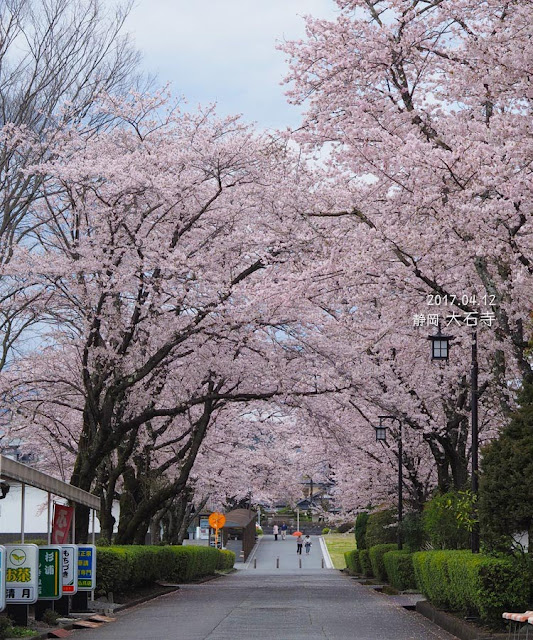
[299,544]
[275,531]
[283,530]
[307,543]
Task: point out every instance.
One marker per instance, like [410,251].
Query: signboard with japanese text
[50,572]
[203,529]
[86,567]
[22,573]
[2,578]
[61,523]
[69,554]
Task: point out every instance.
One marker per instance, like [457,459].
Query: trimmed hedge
[400,570]
[472,583]
[360,529]
[226,560]
[123,568]
[366,565]
[381,528]
[352,561]
[431,575]
[376,554]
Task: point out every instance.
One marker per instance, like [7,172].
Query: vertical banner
[2,578]
[86,567]
[61,523]
[22,573]
[69,554]
[50,573]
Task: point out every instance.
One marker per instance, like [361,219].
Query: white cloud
[224,51]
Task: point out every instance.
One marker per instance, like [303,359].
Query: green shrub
[431,574]
[361,523]
[123,568]
[382,528]
[446,520]
[5,626]
[50,617]
[344,527]
[352,561]
[376,554]
[413,535]
[102,541]
[112,569]
[503,586]
[258,531]
[325,531]
[505,487]
[366,565]
[400,570]
[226,560]
[473,583]
[40,542]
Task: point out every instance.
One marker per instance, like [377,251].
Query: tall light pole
[440,348]
[381,436]
[475,436]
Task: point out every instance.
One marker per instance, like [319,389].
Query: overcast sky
[224,51]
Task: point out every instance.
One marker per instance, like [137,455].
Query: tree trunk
[141,515]
[107,521]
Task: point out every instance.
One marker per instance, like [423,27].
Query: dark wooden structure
[239,532]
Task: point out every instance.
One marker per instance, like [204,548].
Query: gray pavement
[267,553]
[288,603]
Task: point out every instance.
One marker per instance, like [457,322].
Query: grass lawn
[337,544]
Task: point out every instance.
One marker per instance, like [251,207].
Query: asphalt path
[260,600]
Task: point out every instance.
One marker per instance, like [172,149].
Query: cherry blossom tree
[168,253]
[424,110]
[56,56]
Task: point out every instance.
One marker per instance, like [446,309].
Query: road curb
[457,627]
[246,565]
[325,553]
[446,621]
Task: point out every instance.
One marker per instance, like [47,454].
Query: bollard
[255,563]
[322,563]
[300,562]
[277,562]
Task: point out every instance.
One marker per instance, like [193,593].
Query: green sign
[50,573]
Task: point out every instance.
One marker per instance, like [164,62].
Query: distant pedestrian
[299,544]
[283,530]
[307,543]
[275,531]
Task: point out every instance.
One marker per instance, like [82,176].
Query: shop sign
[69,554]
[22,573]
[49,573]
[86,567]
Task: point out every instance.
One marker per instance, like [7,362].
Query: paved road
[288,603]
[267,554]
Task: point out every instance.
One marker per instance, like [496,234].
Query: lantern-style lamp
[440,346]
[381,432]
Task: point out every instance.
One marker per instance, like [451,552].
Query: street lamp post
[381,436]
[475,435]
[440,348]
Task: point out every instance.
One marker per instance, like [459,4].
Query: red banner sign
[61,523]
